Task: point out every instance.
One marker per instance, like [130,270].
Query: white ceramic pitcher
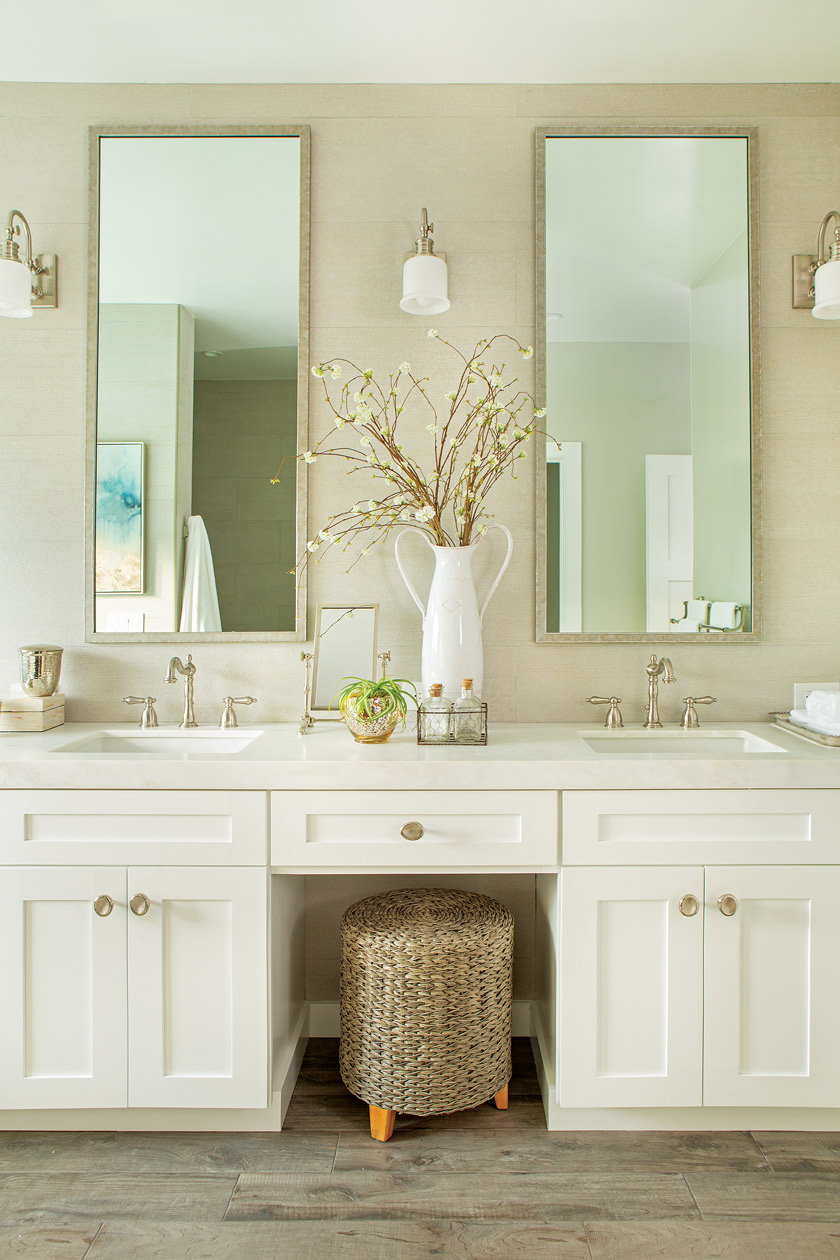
[452,621]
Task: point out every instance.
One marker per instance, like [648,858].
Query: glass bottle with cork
[435,717]
[467,725]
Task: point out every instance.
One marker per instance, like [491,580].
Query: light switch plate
[802,690]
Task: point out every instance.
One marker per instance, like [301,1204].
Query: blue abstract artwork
[119,518]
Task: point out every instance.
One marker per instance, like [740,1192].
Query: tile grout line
[230,1198]
[93,1240]
[693,1198]
[768,1161]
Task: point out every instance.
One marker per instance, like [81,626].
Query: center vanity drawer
[778,825]
[144,828]
[414,830]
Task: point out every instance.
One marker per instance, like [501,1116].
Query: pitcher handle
[411,530]
[501,573]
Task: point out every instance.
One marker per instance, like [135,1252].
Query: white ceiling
[632,224]
[211,223]
[385,41]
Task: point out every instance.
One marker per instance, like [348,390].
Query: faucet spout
[656,668]
[176,666]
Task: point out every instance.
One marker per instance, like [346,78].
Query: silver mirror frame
[302,132]
[750,134]
[325,713]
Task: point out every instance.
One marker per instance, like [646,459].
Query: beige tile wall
[378,154]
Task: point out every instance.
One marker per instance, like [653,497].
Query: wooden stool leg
[382,1122]
[501,1099]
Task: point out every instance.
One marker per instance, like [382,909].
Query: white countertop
[539,755]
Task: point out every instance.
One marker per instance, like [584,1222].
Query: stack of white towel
[821,712]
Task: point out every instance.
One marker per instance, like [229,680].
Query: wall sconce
[19,293]
[424,275]
[816,280]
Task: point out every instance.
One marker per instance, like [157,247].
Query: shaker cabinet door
[631,986]
[63,987]
[198,984]
[772,995]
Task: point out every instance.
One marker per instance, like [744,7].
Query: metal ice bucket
[40,669]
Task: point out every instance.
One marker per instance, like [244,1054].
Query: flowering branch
[478,439]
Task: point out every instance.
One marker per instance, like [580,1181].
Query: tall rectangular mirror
[197,383]
[647,339]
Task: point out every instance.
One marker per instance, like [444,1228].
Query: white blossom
[309,458]
[364,440]
[366,551]
[424,513]
[433,428]
[495,380]
[451,395]
[539,413]
[335,371]
[527,352]
[318,369]
[433,332]
[340,422]
[372,506]
[404,369]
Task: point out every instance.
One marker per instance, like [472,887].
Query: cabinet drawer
[739,827]
[145,828]
[478,830]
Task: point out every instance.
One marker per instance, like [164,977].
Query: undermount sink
[679,743]
[169,744]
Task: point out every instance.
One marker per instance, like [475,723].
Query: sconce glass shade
[827,290]
[424,285]
[15,289]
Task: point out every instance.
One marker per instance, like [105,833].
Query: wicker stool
[425,1003]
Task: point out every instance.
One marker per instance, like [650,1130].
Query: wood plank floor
[479,1185]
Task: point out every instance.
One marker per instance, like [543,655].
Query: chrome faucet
[653,671]
[177,667]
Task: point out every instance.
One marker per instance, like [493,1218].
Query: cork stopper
[467,682]
[436,690]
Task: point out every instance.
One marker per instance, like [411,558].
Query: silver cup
[40,668]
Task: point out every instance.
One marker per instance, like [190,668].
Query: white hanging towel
[200,607]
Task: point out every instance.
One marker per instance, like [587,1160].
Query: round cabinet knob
[103,905]
[727,904]
[689,905]
[139,904]
[412,831]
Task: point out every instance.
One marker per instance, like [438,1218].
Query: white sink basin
[168,744]
[679,743]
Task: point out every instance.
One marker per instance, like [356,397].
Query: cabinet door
[772,997]
[62,988]
[198,988]
[631,987]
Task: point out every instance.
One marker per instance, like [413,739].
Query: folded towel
[697,610]
[722,615]
[800,717]
[823,706]
[690,624]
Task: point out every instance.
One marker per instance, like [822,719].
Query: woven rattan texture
[426,982]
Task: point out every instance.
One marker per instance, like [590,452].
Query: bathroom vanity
[153,897]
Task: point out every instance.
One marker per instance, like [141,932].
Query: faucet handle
[148,717]
[689,717]
[613,720]
[228,718]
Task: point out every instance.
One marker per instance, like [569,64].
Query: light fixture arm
[834,254]
[10,249]
[424,243]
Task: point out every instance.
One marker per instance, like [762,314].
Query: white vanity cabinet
[693,985]
[134,985]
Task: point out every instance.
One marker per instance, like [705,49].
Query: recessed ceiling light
[553,315]
[212,354]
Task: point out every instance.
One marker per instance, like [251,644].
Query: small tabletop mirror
[345,646]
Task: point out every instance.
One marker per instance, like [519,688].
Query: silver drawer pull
[139,904]
[689,905]
[103,905]
[412,831]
